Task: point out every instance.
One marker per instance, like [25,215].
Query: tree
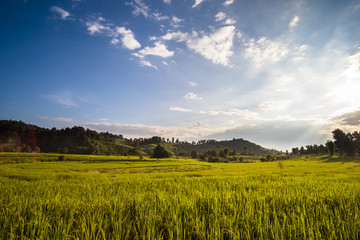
[224,153]
[340,140]
[295,151]
[160,152]
[331,147]
[345,142]
[193,154]
[302,150]
[356,136]
[245,149]
[350,145]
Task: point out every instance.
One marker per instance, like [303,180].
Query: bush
[62,158]
[160,152]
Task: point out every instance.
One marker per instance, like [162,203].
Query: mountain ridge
[20,136]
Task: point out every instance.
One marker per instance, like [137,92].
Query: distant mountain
[239,145]
[19,136]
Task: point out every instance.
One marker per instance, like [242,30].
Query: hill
[17,136]
[239,145]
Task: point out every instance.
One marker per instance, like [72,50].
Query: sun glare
[347,88]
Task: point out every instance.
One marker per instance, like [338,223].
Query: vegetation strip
[313,197]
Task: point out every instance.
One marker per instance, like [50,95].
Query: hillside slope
[17,136]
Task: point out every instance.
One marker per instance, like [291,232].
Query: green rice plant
[179,199]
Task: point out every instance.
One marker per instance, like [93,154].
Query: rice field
[99,197]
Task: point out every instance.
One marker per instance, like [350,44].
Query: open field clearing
[101,197]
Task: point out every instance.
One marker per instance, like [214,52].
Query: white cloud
[192,84]
[220,16]
[294,22]
[228,2]
[192,96]
[178,36]
[216,46]
[56,119]
[159,17]
[230,21]
[96,26]
[197,3]
[117,34]
[115,41]
[246,115]
[167,1]
[159,49]
[175,21]
[265,51]
[147,64]
[277,134]
[128,38]
[299,53]
[63,14]
[138,55]
[193,131]
[140,8]
[273,105]
[180,109]
[63,98]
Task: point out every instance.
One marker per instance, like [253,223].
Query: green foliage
[236,145]
[18,136]
[77,140]
[160,152]
[179,199]
[194,154]
[348,143]
[331,147]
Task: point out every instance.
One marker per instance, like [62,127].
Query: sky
[279,73]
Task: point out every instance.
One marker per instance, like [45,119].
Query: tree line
[347,143]
[344,144]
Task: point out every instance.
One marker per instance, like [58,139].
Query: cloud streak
[141,8]
[197,3]
[117,34]
[63,98]
[56,119]
[192,96]
[179,109]
[193,131]
[63,14]
[228,2]
[294,22]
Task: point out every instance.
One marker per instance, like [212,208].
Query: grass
[103,197]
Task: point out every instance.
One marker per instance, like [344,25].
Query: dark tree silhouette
[331,147]
[160,152]
[193,154]
[340,140]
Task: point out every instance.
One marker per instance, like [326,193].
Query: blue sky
[278,73]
